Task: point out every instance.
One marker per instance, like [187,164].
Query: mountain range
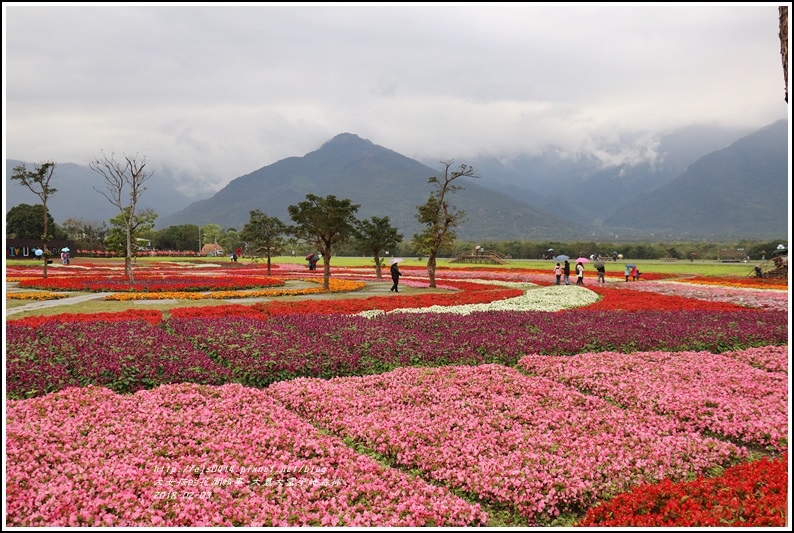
[700,183]
[77,193]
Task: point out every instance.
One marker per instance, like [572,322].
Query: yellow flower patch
[37,296]
[334,285]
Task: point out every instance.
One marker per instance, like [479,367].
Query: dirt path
[44,304]
[371,289]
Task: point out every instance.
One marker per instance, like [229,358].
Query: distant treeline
[754,250]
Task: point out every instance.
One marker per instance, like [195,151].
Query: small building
[212,250]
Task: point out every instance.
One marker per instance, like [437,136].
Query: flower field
[498,399]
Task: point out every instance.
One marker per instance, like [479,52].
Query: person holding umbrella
[395,274]
[312,259]
[601,270]
[580,273]
[566,271]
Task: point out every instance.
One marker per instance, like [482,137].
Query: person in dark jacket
[566,271]
[395,276]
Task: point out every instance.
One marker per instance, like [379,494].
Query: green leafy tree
[439,217]
[229,239]
[181,237]
[89,235]
[38,182]
[211,233]
[324,222]
[263,234]
[124,185]
[26,221]
[375,235]
[137,226]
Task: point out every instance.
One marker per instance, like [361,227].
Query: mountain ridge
[587,200]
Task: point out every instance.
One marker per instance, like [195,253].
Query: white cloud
[220,91]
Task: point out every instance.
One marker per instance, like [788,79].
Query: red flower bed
[217,311]
[152,283]
[151,316]
[631,300]
[749,495]
[470,293]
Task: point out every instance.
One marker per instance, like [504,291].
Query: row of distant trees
[25,222]
[325,223]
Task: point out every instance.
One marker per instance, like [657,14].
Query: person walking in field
[395,276]
[601,269]
[558,272]
[580,273]
[566,272]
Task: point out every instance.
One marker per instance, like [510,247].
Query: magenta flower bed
[192,455]
[707,392]
[124,356]
[259,353]
[529,443]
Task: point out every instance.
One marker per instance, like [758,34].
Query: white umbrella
[397,260]
[65,249]
[39,253]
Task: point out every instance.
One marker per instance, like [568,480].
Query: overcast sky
[217,91]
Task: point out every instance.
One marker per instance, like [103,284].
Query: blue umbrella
[561,258]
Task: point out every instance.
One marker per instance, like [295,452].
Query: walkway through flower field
[496,400]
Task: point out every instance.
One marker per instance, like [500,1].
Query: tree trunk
[45,240]
[128,256]
[378,273]
[326,270]
[431,269]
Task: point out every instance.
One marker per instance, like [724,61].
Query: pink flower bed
[530,443]
[771,358]
[706,391]
[192,455]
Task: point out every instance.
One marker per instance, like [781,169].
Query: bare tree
[123,187]
[38,181]
[439,217]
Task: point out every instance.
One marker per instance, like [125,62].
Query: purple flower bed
[259,353]
[529,443]
[124,356]
[131,355]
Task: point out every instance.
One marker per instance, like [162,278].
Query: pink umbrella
[583,260]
